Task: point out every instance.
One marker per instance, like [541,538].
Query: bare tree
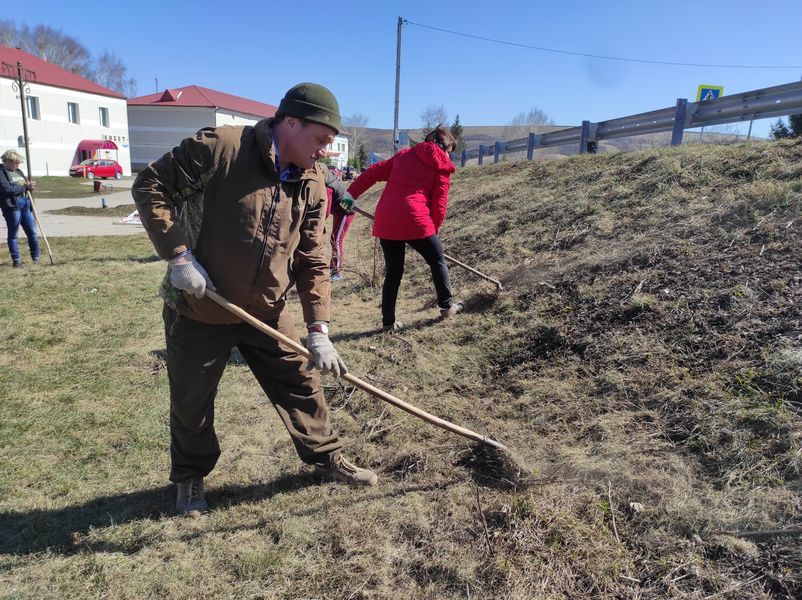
[355,125]
[8,34]
[57,48]
[524,122]
[68,53]
[110,72]
[432,116]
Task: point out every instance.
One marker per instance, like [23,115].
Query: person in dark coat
[410,212]
[17,207]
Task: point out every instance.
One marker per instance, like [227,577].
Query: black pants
[197,354]
[432,252]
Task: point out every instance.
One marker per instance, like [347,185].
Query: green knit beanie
[312,102]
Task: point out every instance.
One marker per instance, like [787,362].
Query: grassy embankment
[644,364]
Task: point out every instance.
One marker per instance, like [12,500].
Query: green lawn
[66,187]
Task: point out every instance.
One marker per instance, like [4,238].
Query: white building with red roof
[158,122]
[70,118]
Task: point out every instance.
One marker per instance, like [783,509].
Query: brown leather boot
[340,469]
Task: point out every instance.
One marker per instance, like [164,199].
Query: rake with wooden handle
[39,225]
[355,381]
[450,259]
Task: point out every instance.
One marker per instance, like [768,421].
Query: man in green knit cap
[241,210]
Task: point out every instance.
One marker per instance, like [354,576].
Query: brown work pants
[197,354]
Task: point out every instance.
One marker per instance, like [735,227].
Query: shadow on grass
[137,259]
[358,335]
[64,531]
[61,530]
[106,259]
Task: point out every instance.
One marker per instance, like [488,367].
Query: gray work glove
[323,355]
[187,274]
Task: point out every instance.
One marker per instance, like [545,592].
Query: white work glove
[323,355]
[187,274]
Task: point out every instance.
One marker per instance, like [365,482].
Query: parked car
[97,167]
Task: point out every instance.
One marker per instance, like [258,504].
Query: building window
[104,117]
[72,113]
[33,107]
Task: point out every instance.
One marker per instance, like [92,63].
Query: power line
[601,56]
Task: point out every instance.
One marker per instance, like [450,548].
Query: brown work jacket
[218,194]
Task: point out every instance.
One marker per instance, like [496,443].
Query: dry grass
[643,364]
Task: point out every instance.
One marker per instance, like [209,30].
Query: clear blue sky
[256,50]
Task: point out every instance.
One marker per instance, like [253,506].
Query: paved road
[68,226]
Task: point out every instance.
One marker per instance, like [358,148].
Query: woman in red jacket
[411,210]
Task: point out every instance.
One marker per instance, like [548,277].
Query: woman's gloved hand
[347,203]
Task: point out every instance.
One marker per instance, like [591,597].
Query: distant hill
[380,141]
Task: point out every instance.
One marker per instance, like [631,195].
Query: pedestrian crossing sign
[709,92]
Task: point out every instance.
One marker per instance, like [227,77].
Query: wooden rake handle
[355,381]
[450,259]
[39,226]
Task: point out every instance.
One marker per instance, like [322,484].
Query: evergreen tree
[456,131]
[364,161]
[779,130]
[795,123]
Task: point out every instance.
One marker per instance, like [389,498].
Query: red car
[97,167]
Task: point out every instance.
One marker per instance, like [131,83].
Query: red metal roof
[36,70]
[197,96]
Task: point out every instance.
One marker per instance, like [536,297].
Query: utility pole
[23,88]
[22,91]
[397,83]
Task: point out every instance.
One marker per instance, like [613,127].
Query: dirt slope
[646,353]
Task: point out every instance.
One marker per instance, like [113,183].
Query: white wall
[340,146]
[228,117]
[155,130]
[54,140]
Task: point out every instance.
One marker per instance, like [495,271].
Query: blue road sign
[709,92]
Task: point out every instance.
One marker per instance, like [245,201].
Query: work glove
[323,356]
[347,203]
[187,274]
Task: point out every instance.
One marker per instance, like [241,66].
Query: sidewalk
[70,226]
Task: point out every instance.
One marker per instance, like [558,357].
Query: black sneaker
[190,499]
[18,264]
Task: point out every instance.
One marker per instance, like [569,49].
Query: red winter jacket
[413,205]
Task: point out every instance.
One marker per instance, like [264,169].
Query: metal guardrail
[777,101]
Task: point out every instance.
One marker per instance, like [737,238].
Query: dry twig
[376,421]
[612,510]
[734,588]
[764,533]
[484,522]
